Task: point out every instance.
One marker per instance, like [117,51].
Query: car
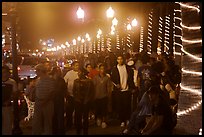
[27,67]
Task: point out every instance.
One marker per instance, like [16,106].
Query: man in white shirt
[123,80]
[69,79]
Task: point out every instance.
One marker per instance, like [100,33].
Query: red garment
[93,73]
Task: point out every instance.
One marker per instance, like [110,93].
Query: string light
[177,10]
[190,28]
[178,27]
[198,92]
[191,72]
[192,56]
[184,112]
[177,36]
[191,41]
[178,44]
[190,7]
[177,53]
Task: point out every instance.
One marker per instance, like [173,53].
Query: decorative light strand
[198,92]
[191,72]
[178,44]
[192,56]
[184,112]
[177,53]
[191,41]
[190,28]
[190,7]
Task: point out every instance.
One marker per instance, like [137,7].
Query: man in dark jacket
[59,103]
[83,91]
[123,81]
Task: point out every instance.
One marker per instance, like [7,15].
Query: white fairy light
[177,10]
[191,41]
[191,72]
[177,53]
[190,28]
[175,43]
[198,92]
[192,56]
[178,27]
[177,36]
[190,7]
[183,112]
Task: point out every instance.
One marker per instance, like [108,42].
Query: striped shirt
[45,87]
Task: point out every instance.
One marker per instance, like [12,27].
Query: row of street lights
[84,44]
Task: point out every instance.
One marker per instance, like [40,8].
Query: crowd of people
[141,90]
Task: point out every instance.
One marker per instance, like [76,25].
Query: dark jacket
[115,77]
[83,90]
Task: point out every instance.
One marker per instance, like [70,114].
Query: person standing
[61,89]
[9,88]
[83,91]
[102,85]
[69,79]
[123,79]
[44,106]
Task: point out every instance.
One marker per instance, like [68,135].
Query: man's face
[120,60]
[89,68]
[102,69]
[76,67]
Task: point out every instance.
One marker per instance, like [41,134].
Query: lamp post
[16,129]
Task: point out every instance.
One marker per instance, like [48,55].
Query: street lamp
[80,13]
[134,22]
[129,27]
[110,12]
[74,41]
[115,22]
[79,38]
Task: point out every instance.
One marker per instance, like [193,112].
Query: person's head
[5,73]
[120,59]
[41,70]
[145,58]
[153,93]
[56,72]
[75,66]
[48,66]
[102,69]
[81,74]
[88,67]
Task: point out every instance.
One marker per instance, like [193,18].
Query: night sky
[58,20]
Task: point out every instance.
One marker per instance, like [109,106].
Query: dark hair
[87,65]
[120,55]
[74,62]
[101,65]
[5,67]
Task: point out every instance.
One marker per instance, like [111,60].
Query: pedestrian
[59,97]
[123,78]
[9,89]
[143,77]
[69,79]
[44,106]
[83,91]
[102,85]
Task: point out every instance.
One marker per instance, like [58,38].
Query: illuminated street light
[129,27]
[74,41]
[79,38]
[87,35]
[66,43]
[110,12]
[82,40]
[44,43]
[99,32]
[89,39]
[80,13]
[134,22]
[63,46]
[36,50]
[115,22]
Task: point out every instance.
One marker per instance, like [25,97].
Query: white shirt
[69,78]
[123,77]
